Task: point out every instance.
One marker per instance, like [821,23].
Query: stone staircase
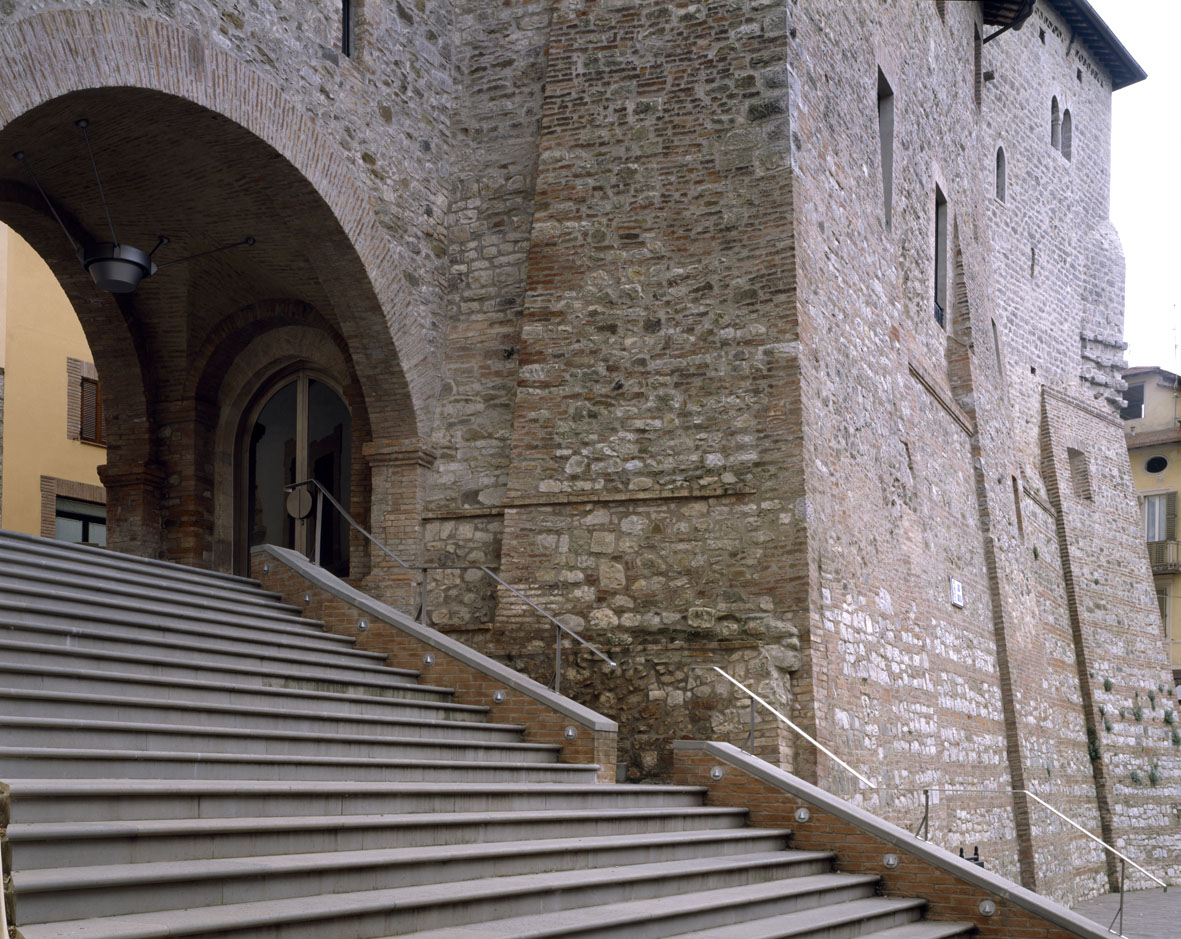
[183,755]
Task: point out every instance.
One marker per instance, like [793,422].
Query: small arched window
[1055,125]
[1066,133]
[1000,173]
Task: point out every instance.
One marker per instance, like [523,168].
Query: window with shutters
[90,426]
[1160,517]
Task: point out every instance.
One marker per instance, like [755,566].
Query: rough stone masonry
[777,335]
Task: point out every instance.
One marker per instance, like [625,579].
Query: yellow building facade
[1152,423]
[51,410]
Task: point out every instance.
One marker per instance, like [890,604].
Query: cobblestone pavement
[1148,914]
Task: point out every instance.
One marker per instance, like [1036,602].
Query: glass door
[300,430]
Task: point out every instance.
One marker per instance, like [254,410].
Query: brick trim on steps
[953,888]
[474,676]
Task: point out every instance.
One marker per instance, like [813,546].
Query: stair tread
[620,915]
[311,643]
[30,785]
[111,875]
[325,906]
[924,929]
[107,557]
[233,687]
[30,831]
[288,735]
[363,676]
[230,709]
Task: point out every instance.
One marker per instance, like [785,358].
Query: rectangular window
[1135,406]
[1156,517]
[977,73]
[80,522]
[1017,506]
[940,258]
[346,27]
[886,139]
[90,427]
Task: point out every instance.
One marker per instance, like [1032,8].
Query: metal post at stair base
[422,616]
[924,829]
[319,524]
[3,903]
[1119,913]
[750,738]
[558,661]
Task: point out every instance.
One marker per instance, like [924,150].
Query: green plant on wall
[1107,684]
[1093,750]
[1170,717]
[1108,725]
[1152,697]
[1138,712]
[1154,774]
[1177,738]
[1137,779]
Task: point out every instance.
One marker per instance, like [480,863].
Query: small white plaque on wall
[957,593]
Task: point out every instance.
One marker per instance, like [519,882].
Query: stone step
[190,647]
[739,912]
[94,800]
[19,598]
[409,699]
[128,618]
[39,762]
[63,733]
[84,580]
[16,703]
[347,680]
[65,844]
[103,558]
[54,894]
[403,910]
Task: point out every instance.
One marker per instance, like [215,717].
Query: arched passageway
[185,357]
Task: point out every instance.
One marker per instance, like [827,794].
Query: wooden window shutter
[91,427]
[1171,517]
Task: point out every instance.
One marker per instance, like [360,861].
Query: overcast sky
[1146,178]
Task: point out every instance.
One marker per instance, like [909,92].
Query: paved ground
[1148,914]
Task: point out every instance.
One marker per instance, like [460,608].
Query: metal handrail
[3,906]
[925,827]
[799,730]
[322,494]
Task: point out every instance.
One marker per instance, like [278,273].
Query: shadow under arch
[302,256]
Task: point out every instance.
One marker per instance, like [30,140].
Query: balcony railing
[1165,556]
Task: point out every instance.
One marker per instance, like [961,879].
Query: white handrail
[799,730]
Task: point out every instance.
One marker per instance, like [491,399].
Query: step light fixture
[116,267]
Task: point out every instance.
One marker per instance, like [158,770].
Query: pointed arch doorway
[298,428]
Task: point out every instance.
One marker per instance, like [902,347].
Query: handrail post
[422,615]
[319,524]
[558,661]
[750,738]
[3,906]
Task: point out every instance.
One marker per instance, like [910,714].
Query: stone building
[778,335]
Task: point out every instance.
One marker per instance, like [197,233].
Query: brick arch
[116,50]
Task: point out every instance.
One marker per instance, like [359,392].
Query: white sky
[1146,177]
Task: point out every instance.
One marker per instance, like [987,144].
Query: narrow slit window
[91,425]
[996,348]
[1067,133]
[977,68]
[1017,507]
[886,139]
[940,258]
[346,27]
[1055,125]
[1001,181]
[1080,473]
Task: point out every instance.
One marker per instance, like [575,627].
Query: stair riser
[28,626]
[309,634]
[68,735]
[44,572]
[277,721]
[691,923]
[413,702]
[68,602]
[91,559]
[107,767]
[337,681]
[137,848]
[392,922]
[31,808]
[213,651]
[77,903]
